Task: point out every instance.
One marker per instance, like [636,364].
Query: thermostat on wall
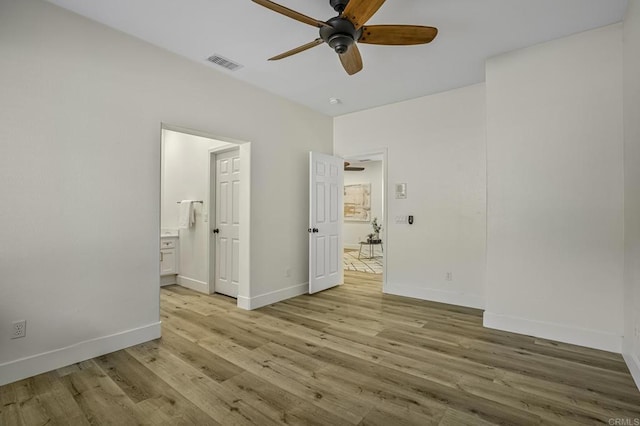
[401,190]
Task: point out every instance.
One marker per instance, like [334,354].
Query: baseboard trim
[634,367]
[261,300]
[553,331]
[168,280]
[199,286]
[449,297]
[352,246]
[36,364]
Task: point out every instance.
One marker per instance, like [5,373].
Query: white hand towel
[187,217]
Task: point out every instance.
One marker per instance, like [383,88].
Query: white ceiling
[240,30]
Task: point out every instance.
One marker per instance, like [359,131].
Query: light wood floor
[349,355]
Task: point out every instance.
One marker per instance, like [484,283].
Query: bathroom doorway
[187,187]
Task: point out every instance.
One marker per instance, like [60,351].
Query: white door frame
[388,246]
[244,284]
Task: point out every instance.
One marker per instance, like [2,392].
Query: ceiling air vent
[224,62]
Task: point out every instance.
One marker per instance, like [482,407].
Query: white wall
[436,144]
[555,190]
[632,187]
[354,232]
[185,176]
[80,181]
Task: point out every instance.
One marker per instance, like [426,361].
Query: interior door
[227,223]
[325,221]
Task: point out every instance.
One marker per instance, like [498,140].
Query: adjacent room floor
[349,355]
[363,260]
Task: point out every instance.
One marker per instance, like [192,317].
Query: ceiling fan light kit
[343,32]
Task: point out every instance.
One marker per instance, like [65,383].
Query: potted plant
[376,230]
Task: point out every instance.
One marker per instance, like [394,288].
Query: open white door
[325,221]
[227,230]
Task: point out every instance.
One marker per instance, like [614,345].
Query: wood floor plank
[56,401]
[419,361]
[345,356]
[347,406]
[292,316]
[272,333]
[342,311]
[579,376]
[153,396]
[454,417]
[185,328]
[385,416]
[279,403]
[42,399]
[196,304]
[101,400]
[209,364]
[392,398]
[224,327]
[489,410]
[204,392]
[562,413]
[581,397]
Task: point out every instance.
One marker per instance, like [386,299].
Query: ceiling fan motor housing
[340,34]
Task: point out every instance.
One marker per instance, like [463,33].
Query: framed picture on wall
[357,202]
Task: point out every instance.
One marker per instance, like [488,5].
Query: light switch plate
[402,220]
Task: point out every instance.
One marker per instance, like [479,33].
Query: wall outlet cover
[19,329]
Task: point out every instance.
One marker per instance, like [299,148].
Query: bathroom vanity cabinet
[169,266]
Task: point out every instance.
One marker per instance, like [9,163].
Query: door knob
[216,231]
[315,230]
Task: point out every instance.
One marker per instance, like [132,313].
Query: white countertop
[169,233]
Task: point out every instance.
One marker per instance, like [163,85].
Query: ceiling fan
[349,168]
[343,31]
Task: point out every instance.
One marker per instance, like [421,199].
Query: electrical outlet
[19,329]
[449,276]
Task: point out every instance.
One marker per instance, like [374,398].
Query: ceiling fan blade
[351,60]
[291,13]
[359,11]
[349,168]
[397,34]
[299,49]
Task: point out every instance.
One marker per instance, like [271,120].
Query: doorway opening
[365,217]
[205,212]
